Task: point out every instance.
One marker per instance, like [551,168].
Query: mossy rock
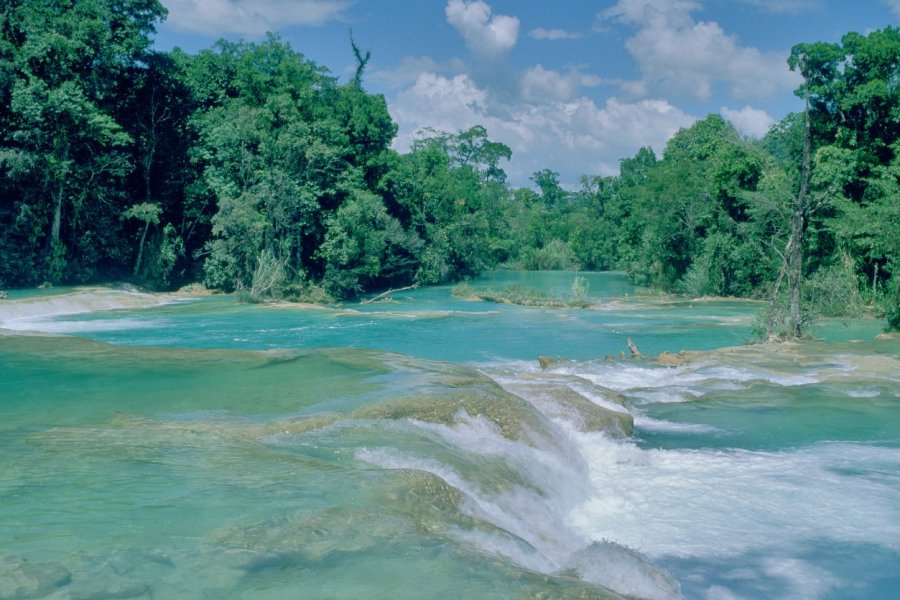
[561,401]
[514,418]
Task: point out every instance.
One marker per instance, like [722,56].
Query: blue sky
[573,86]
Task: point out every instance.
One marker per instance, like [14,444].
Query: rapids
[164,447]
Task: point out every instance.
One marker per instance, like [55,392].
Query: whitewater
[163,446]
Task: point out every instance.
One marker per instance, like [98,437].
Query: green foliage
[171,251]
[834,290]
[253,168]
[306,291]
[525,296]
[365,247]
[448,191]
[56,265]
[893,310]
[63,63]
[513,294]
[146,211]
[856,110]
[268,276]
[580,289]
[555,256]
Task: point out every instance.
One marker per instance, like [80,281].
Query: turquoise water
[155,446]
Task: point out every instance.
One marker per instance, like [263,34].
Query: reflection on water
[415,449]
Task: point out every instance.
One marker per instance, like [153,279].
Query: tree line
[250,167]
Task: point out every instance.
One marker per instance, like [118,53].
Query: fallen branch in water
[384,295]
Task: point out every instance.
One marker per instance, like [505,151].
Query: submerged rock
[392,507]
[514,418]
[21,579]
[105,590]
[667,359]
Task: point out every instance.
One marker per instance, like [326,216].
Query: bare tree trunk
[137,263]
[148,163]
[798,227]
[58,194]
[773,312]
[157,115]
[792,258]
[57,215]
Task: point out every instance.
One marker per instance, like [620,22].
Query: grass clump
[525,296]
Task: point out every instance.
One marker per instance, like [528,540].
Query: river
[157,446]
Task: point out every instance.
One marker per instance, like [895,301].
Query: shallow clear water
[207,449]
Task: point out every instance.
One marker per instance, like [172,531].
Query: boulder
[546,361]
[20,579]
[562,402]
[667,359]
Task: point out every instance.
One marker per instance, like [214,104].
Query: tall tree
[850,126]
[281,152]
[67,59]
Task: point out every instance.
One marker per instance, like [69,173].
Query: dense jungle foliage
[249,167]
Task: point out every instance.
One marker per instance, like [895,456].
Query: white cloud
[894,5]
[750,121]
[574,137]
[785,6]
[442,103]
[250,17]
[553,34]
[409,69]
[487,35]
[539,85]
[680,56]
[658,13]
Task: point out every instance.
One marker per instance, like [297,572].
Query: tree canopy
[250,167]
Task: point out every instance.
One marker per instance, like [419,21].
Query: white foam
[39,314]
[553,481]
[597,399]
[729,507]
[801,579]
[651,424]
[665,395]
[624,377]
[713,503]
[624,570]
[678,384]
[506,546]
[66,326]
[536,535]
[520,512]
[863,393]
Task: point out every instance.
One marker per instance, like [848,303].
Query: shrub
[579,292]
[833,291]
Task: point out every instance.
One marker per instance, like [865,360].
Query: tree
[447,190]
[282,153]
[850,126]
[364,247]
[149,214]
[860,153]
[547,182]
[65,61]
